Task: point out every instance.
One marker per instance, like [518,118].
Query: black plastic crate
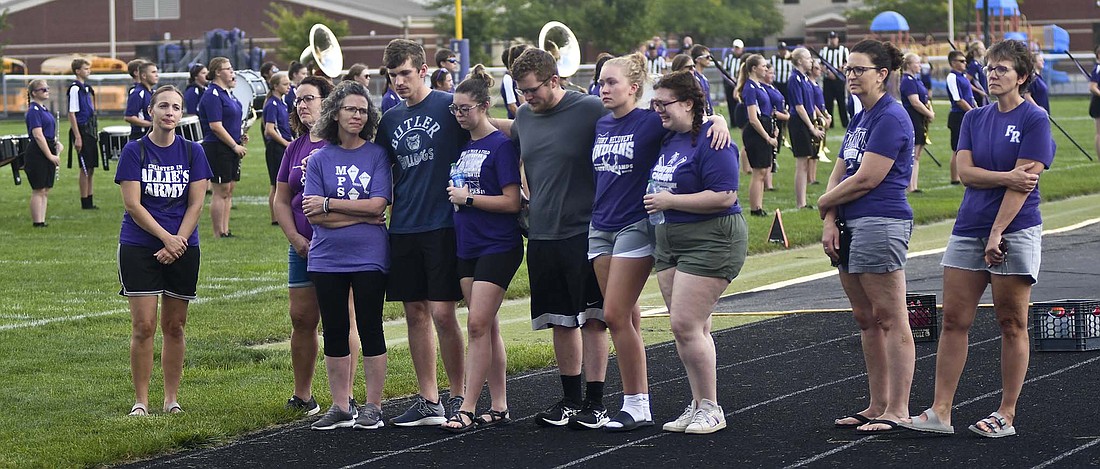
[923,317]
[1065,325]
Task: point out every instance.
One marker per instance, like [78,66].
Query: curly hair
[1016,52]
[684,86]
[328,127]
[324,87]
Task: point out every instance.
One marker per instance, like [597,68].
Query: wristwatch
[469,201]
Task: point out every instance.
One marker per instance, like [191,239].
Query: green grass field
[64,331]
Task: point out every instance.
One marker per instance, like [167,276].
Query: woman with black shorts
[163,179]
[800,101]
[347,189]
[1094,104]
[914,96]
[41,160]
[277,133]
[490,247]
[760,135]
[220,118]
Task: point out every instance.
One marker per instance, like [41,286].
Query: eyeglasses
[460,110]
[353,110]
[703,57]
[659,106]
[305,99]
[530,91]
[688,67]
[856,71]
[998,71]
[959,60]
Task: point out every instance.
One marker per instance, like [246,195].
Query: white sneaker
[681,423]
[708,418]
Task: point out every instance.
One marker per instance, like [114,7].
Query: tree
[923,16]
[712,20]
[480,25]
[293,29]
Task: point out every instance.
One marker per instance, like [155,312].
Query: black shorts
[756,146]
[1094,107]
[423,266]
[564,290]
[88,156]
[801,145]
[273,152]
[41,172]
[225,165]
[497,269]
[141,274]
[920,127]
[954,123]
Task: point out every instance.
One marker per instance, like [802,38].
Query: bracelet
[324,207]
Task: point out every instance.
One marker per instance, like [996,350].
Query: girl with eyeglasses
[490,247]
[997,238]
[41,160]
[701,246]
[620,236]
[919,108]
[866,230]
[348,186]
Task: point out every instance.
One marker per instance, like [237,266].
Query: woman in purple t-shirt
[276,131]
[163,179]
[41,160]
[997,238]
[760,135]
[867,225]
[490,247]
[914,97]
[347,188]
[702,244]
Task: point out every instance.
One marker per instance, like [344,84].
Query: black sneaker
[454,404]
[333,419]
[353,406]
[592,416]
[758,213]
[558,414]
[422,412]
[308,408]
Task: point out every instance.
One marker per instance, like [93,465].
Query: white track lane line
[1067,454]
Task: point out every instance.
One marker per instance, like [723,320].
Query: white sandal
[173,408]
[139,410]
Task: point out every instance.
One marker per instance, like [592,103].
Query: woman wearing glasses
[914,97]
[348,186]
[220,118]
[867,225]
[997,238]
[620,235]
[683,62]
[42,160]
[701,55]
[490,248]
[702,244]
[289,183]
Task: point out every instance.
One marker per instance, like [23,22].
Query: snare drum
[189,128]
[111,141]
[12,149]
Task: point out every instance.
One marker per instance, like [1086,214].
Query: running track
[781,382]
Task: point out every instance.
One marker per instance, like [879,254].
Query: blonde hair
[634,69]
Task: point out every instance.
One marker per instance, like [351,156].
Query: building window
[156,10]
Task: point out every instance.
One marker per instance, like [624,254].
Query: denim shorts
[879,244]
[297,277]
[633,241]
[1024,253]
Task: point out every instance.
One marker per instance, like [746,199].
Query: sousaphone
[323,50]
[557,39]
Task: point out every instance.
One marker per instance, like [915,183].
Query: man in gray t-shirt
[555,132]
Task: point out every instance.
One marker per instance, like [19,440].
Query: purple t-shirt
[996,140]
[165,176]
[705,84]
[683,168]
[338,173]
[622,157]
[489,165]
[799,92]
[776,97]
[958,89]
[389,99]
[275,111]
[819,96]
[137,104]
[219,105]
[753,94]
[884,129]
[1040,92]
[911,85]
[290,172]
[38,116]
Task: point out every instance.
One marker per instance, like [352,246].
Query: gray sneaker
[681,423]
[708,418]
[370,418]
[454,404]
[421,413]
[333,419]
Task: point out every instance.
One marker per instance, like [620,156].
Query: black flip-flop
[894,427]
[860,418]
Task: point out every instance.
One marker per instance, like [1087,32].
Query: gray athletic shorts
[633,241]
[1024,253]
[879,244]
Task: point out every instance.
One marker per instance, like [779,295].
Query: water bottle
[656,218]
[458,179]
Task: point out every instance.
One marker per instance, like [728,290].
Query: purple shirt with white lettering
[622,157]
[996,140]
[884,129]
[290,172]
[338,173]
[683,168]
[165,176]
[488,165]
